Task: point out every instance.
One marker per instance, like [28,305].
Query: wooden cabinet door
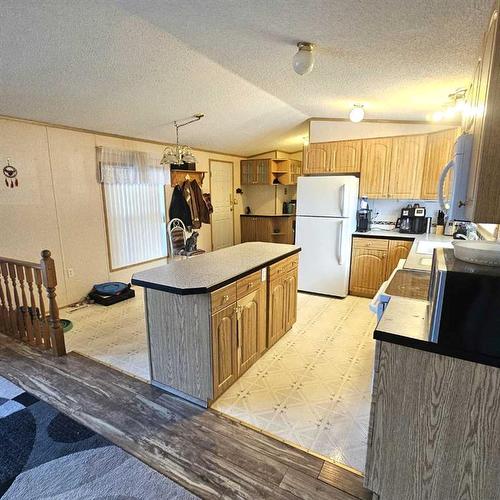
[276,311]
[262,171]
[438,153]
[368,271]
[375,166]
[248,229]
[246,172]
[407,165]
[290,284]
[251,328]
[398,249]
[224,349]
[348,156]
[263,229]
[318,158]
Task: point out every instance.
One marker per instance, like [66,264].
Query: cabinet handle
[225,298]
[251,284]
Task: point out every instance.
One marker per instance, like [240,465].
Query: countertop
[406,322]
[409,283]
[267,215]
[212,270]
[416,261]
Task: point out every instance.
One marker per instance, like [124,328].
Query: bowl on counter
[486,253]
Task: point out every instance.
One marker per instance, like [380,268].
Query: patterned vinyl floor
[312,388]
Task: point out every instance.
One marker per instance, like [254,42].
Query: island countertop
[207,272]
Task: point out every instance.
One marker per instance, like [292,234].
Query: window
[136,223]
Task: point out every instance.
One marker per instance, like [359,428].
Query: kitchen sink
[427,247]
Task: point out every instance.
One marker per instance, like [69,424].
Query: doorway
[221,187]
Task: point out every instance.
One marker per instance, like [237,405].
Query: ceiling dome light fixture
[357,113]
[303,60]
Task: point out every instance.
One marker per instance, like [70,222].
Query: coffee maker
[363,217]
[412,220]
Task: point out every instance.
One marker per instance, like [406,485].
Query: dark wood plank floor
[212,456]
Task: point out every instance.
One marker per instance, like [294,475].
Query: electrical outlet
[71,272]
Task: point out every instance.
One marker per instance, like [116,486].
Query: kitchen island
[210,317]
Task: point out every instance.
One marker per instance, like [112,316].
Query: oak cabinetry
[224,349]
[282,298]
[255,171]
[265,171]
[438,153]
[372,261]
[483,121]
[276,310]
[347,157]
[407,164]
[290,282]
[398,249]
[251,328]
[332,157]
[375,167]
[267,228]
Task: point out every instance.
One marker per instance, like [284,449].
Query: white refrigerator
[326,219]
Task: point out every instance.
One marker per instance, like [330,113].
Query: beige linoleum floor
[312,388]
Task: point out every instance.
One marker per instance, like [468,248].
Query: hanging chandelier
[179,154]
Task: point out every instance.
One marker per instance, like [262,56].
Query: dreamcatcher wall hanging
[10,174]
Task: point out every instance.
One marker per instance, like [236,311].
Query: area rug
[45,454]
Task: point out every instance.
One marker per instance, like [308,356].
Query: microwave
[464,305]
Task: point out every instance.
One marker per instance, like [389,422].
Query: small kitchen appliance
[418,222]
[363,217]
[464,303]
[404,222]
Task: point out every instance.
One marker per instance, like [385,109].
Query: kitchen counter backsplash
[385,213]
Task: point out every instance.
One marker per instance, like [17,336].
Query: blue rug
[45,454]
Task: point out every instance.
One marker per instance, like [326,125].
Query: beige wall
[58,204]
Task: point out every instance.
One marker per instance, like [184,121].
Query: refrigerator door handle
[342,199]
[339,249]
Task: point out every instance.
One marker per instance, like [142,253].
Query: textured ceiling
[131,67]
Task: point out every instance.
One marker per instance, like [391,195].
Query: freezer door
[326,254]
[327,196]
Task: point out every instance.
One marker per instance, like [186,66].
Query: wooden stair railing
[23,314]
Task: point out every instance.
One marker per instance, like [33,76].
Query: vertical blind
[136,223]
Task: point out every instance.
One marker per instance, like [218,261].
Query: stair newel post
[50,282]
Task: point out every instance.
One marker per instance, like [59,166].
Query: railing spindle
[19,316]
[4,315]
[12,323]
[43,316]
[24,304]
[34,311]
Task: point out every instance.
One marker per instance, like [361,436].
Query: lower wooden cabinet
[238,338]
[251,328]
[224,349]
[248,316]
[290,284]
[276,310]
[398,249]
[282,300]
[372,261]
[268,228]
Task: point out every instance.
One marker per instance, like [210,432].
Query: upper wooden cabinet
[483,121]
[332,157]
[438,153]
[375,166]
[407,163]
[270,171]
[255,171]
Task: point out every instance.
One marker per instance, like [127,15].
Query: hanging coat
[191,202]
[179,209]
[197,194]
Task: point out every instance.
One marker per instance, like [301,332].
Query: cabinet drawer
[373,243]
[223,297]
[248,284]
[283,266]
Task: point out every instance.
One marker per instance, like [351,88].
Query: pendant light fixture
[303,60]
[357,113]
[180,154]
